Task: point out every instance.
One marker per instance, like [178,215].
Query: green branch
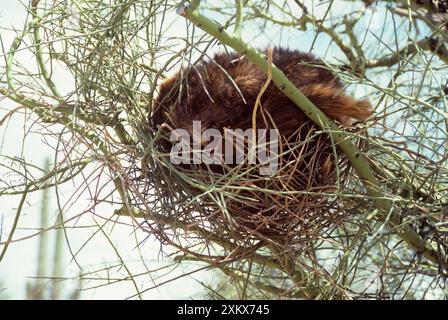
[39,57]
[342,139]
[239,18]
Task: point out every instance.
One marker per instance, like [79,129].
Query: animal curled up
[297,200]
[220,93]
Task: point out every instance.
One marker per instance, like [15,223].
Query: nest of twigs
[290,209]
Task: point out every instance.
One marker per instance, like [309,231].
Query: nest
[289,208]
[292,205]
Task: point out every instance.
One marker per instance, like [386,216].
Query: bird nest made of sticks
[291,198]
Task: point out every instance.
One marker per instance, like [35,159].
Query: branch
[46,112]
[320,27]
[342,139]
[239,18]
[15,223]
[300,278]
[432,44]
[40,61]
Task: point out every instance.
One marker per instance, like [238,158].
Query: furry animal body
[221,93]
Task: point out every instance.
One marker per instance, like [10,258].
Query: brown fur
[205,92]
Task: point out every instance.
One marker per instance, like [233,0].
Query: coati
[221,93]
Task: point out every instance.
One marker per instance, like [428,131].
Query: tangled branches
[112,58]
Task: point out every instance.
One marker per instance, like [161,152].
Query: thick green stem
[342,139]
